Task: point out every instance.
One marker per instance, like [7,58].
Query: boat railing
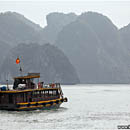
[52,85]
[40,85]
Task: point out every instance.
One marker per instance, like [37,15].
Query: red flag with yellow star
[17,60]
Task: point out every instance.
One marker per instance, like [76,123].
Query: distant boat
[27,95]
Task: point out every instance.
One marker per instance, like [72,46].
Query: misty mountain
[55,23]
[97,52]
[47,59]
[15,29]
[4,48]
[125,36]
[93,45]
[26,21]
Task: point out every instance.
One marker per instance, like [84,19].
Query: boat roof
[26,77]
[29,76]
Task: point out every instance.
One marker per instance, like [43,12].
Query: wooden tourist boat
[27,95]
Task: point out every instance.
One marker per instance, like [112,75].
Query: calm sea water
[89,107]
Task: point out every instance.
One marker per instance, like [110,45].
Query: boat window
[46,92]
[38,92]
[50,92]
[54,92]
[43,92]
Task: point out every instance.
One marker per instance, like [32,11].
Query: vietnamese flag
[17,61]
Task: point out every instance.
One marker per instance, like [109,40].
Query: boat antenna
[22,66]
[7,81]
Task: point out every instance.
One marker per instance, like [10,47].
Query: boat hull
[27,106]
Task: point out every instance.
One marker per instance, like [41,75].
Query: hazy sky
[36,10]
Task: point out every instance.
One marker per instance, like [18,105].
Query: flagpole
[20,69]
[18,62]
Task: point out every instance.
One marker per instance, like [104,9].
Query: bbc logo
[123,126]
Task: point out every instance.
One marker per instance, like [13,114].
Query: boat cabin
[26,82]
